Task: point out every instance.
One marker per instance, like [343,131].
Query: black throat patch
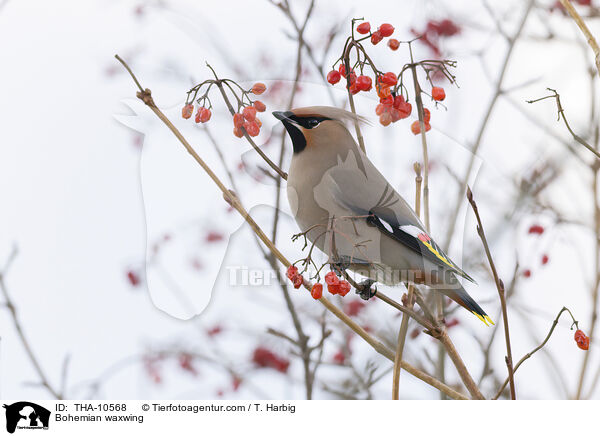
[298,139]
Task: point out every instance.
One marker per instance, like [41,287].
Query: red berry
[396,114]
[259,106]
[214,331]
[333,76]
[527,273]
[317,291]
[258,88]
[452,322]
[415,127]
[405,110]
[238,120]
[354,89]
[342,70]
[582,340]
[354,307]
[334,289]
[344,288]
[393,44]
[252,128]
[331,279]
[265,358]
[339,358]
[426,115]
[536,229]
[398,101]
[389,79]
[386,29]
[187,111]
[442,28]
[388,100]
[291,272]
[237,131]
[364,28]
[249,113]
[385,119]
[297,280]
[134,278]
[381,108]
[376,37]
[364,83]
[545,259]
[438,93]
[213,236]
[203,115]
[383,91]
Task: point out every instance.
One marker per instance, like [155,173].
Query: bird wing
[371,195]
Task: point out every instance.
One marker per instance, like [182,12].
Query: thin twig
[305,351]
[500,287]
[346,60]
[404,324]
[561,114]
[584,29]
[19,328]
[536,349]
[596,284]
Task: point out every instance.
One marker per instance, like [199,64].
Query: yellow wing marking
[438,255]
[485,319]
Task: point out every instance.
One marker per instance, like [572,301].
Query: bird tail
[464,299]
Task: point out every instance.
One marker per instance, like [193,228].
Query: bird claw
[365,290]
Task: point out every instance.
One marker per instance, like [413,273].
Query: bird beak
[283,116]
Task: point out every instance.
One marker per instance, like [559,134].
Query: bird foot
[365,289]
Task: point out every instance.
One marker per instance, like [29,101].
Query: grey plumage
[350,212]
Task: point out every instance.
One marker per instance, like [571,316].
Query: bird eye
[313,123]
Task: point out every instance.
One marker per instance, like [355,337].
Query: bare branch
[561,114]
[584,29]
[500,287]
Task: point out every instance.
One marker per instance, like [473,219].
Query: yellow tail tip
[483,319]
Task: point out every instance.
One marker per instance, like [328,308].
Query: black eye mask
[290,122]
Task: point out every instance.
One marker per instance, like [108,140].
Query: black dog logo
[26,415]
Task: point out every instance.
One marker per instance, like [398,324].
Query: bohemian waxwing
[350,212]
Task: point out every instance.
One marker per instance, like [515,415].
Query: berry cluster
[294,276]
[582,340]
[335,286]
[391,109]
[265,358]
[247,119]
[244,120]
[434,32]
[383,31]
[393,95]
[202,116]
